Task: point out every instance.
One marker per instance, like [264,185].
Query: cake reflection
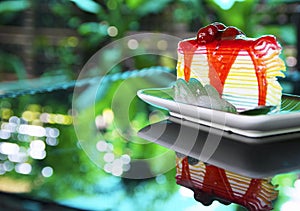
[210,183]
[240,169]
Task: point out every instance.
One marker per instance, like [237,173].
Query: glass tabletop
[45,160]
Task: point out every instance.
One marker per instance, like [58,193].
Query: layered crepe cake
[244,71]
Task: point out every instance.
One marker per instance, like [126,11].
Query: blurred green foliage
[13,6]
[96,23]
[13,63]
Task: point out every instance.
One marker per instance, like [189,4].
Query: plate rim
[256,125]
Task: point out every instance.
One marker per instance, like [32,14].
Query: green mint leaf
[194,93]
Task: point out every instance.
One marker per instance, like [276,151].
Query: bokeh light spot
[47,171]
[23,168]
[133,44]
[112,31]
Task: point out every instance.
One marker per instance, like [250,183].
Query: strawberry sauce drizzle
[260,71]
[185,174]
[220,63]
[189,49]
[254,187]
[215,178]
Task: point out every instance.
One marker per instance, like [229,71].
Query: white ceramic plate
[285,121]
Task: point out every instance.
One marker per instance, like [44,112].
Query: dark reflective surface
[237,169]
[252,157]
[42,159]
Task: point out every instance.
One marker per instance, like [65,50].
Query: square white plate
[287,120]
